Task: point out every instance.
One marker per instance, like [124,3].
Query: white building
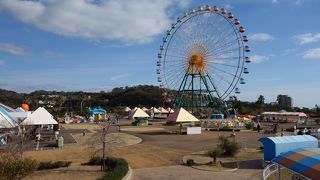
[283,116]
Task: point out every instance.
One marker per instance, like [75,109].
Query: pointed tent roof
[127,109]
[6,120]
[163,110]
[181,116]
[154,110]
[170,110]
[138,113]
[145,109]
[134,109]
[7,108]
[39,117]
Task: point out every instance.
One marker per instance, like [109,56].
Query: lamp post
[81,106]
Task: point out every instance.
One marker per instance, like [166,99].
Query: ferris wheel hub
[197,63]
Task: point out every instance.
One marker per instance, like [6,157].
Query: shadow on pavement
[251,164]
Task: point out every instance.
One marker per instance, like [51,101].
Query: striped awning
[303,161]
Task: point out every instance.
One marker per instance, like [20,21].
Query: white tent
[134,109]
[21,115]
[181,116]
[138,113]
[145,109]
[154,110]
[7,108]
[163,110]
[39,117]
[6,120]
[170,110]
[127,109]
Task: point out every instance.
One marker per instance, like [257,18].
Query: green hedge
[93,161]
[117,168]
[53,165]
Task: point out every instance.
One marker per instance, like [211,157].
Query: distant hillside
[10,98]
[59,102]
[142,95]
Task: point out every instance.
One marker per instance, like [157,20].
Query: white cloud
[52,54]
[307,38]
[312,54]
[274,1]
[261,37]
[120,76]
[258,58]
[134,21]
[13,49]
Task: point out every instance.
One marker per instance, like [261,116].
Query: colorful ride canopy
[303,161]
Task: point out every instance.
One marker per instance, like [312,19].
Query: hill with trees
[59,102]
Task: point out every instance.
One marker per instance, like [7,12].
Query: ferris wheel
[202,59]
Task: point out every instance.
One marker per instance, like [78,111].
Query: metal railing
[269,170]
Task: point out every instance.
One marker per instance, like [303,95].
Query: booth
[182,116]
[98,114]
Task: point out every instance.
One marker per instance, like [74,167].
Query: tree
[228,147]
[260,103]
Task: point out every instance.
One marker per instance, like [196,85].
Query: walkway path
[179,172]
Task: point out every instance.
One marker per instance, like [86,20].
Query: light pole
[81,106]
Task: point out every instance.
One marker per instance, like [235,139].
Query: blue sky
[95,45]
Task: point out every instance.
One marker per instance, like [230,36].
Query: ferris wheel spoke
[176,56]
[226,51]
[233,75]
[174,83]
[222,86]
[222,40]
[223,64]
[223,46]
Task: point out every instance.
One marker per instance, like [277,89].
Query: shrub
[255,128]
[53,165]
[190,162]
[227,146]
[214,154]
[249,125]
[93,161]
[13,167]
[117,168]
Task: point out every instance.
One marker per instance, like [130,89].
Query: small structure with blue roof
[7,120]
[98,113]
[274,146]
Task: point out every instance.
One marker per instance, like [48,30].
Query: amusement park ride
[201,60]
